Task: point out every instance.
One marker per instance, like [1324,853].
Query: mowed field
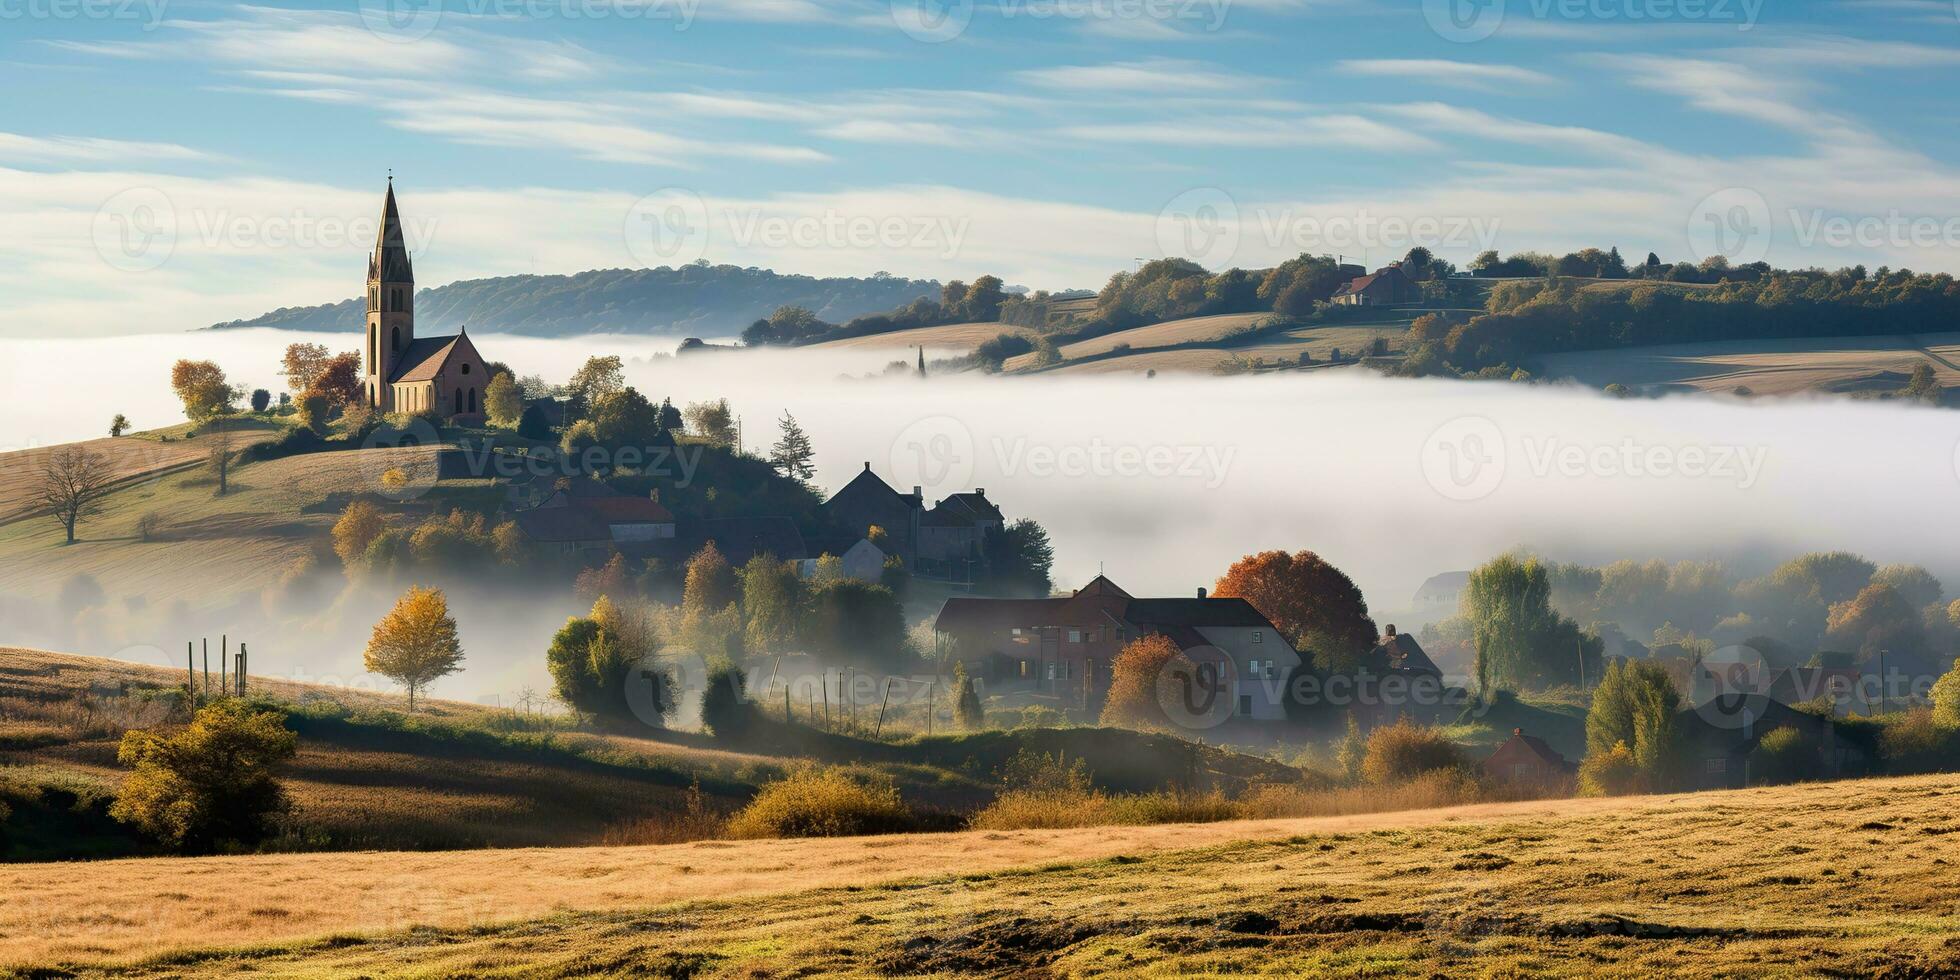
[960,337]
[131,459]
[1767,367]
[211,547]
[1825,879]
[1318,341]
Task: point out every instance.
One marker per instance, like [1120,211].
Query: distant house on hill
[1440,595]
[863,561]
[1527,761]
[1065,645]
[584,517]
[1386,286]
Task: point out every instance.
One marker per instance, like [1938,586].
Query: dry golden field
[1829,879]
[1767,367]
[1187,331]
[962,337]
[1320,342]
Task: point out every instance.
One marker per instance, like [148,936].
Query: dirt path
[117,910]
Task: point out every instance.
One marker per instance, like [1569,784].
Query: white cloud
[77,149]
[897,131]
[1348,131]
[1153,75]
[1461,73]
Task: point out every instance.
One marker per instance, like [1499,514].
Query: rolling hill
[700,300]
[1822,879]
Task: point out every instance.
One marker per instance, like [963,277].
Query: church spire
[390,260]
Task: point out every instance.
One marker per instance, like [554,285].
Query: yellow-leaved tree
[416,642]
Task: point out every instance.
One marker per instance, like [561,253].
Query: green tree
[596,378]
[966,701]
[725,709]
[624,417]
[1924,385]
[261,399]
[1783,756]
[1610,773]
[792,453]
[1019,560]
[858,623]
[1521,643]
[713,421]
[1635,706]
[711,583]
[532,425]
[983,299]
[211,785]
[118,425]
[201,386]
[1946,697]
[502,400]
[772,597]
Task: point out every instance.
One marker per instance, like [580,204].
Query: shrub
[823,802]
[1913,742]
[725,709]
[1613,772]
[209,785]
[1946,694]
[966,701]
[149,526]
[1403,751]
[1783,756]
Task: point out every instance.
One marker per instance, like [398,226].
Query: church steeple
[390,304]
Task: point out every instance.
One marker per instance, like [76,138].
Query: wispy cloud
[1154,75]
[1339,130]
[17,148]
[1463,74]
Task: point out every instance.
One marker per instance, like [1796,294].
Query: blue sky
[1048,141]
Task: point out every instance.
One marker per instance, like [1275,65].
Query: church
[440,375]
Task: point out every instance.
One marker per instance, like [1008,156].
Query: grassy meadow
[1841,879]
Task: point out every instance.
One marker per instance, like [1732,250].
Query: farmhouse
[440,375]
[947,543]
[1386,286]
[1064,645]
[1527,761]
[1720,735]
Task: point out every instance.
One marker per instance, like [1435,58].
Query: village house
[1528,762]
[946,543]
[1386,286]
[584,517]
[443,376]
[1064,645]
[1719,738]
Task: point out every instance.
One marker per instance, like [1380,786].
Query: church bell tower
[390,306]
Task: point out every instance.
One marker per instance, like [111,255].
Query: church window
[395,342]
[472,400]
[466,367]
[459,401]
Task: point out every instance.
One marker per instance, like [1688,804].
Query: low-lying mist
[1161,482]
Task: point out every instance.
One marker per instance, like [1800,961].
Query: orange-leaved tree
[1133,700]
[1310,602]
[416,642]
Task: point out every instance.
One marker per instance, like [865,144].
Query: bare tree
[221,456]
[73,481]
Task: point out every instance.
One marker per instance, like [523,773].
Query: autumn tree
[725,709]
[852,621]
[415,643]
[72,482]
[602,665]
[1133,698]
[210,785]
[711,582]
[360,523]
[624,417]
[596,378]
[792,453]
[1310,602]
[502,401]
[302,365]
[339,381]
[1877,618]
[201,386]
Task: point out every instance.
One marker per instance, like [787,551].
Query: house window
[1075,636]
[1245,704]
[1258,636]
[1718,765]
[1252,669]
[1051,670]
[1521,771]
[1016,631]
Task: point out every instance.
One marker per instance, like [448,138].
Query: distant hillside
[693,299]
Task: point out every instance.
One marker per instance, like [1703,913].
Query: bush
[966,701]
[823,802]
[1914,742]
[1783,757]
[1404,751]
[149,526]
[725,709]
[209,786]
[1613,772]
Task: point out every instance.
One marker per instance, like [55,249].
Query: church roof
[389,263]
[424,357]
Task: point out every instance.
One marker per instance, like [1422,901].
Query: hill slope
[1837,879]
[701,300]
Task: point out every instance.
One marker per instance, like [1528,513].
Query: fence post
[881,709]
